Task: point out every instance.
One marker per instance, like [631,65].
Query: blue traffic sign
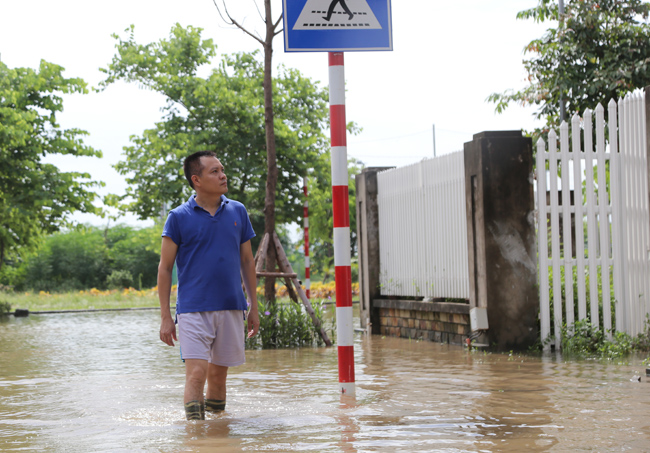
[337,25]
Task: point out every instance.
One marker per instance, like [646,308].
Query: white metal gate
[423,229]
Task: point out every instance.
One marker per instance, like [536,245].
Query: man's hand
[168,251]
[250,282]
[168,331]
[253,323]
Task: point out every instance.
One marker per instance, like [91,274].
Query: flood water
[103,382]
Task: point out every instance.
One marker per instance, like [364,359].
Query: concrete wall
[501,236]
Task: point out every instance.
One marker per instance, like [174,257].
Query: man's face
[212,179]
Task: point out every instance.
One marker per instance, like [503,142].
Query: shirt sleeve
[171,228]
[247,232]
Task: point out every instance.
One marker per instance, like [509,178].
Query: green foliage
[224,112]
[69,261]
[136,251]
[321,220]
[599,51]
[36,198]
[642,341]
[88,257]
[286,326]
[14,271]
[5,308]
[581,339]
[119,279]
[295,253]
[584,340]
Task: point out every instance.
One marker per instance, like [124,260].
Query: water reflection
[104,382]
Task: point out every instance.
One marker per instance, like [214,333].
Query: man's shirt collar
[194,205]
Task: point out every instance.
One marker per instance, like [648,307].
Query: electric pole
[434,140]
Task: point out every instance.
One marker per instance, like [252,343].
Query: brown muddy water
[103,382]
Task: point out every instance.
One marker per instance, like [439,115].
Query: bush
[119,279]
[642,341]
[584,340]
[68,261]
[5,308]
[84,258]
[286,326]
[135,250]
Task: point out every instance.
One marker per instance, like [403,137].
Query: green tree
[321,231]
[223,112]
[86,257]
[600,50]
[136,251]
[71,260]
[272,169]
[36,198]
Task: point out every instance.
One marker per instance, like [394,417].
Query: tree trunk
[271,161]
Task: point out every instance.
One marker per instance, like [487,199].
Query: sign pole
[306,234]
[316,26]
[341,220]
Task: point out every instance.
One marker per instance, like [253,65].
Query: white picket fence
[614,246]
[423,229]
[634,216]
[594,245]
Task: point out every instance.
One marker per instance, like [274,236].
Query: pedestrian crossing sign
[337,25]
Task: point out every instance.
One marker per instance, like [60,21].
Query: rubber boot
[194,410]
[215,405]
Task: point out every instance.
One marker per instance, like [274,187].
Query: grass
[582,340]
[287,325]
[82,300]
[95,299]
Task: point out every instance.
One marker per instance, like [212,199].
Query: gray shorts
[215,336]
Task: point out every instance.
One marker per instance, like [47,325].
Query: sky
[447,58]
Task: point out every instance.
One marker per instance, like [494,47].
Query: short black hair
[192,164]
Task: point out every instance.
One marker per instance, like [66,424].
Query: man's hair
[192,165]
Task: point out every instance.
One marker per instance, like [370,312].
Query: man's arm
[165,268]
[250,283]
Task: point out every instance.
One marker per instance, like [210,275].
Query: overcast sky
[447,58]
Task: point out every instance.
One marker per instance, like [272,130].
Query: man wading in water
[209,239]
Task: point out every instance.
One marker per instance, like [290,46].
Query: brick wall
[442,322]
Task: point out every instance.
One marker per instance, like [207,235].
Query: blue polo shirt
[208,258]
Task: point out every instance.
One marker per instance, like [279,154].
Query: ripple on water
[104,382]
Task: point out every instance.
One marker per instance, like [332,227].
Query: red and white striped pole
[306,226]
[341,218]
